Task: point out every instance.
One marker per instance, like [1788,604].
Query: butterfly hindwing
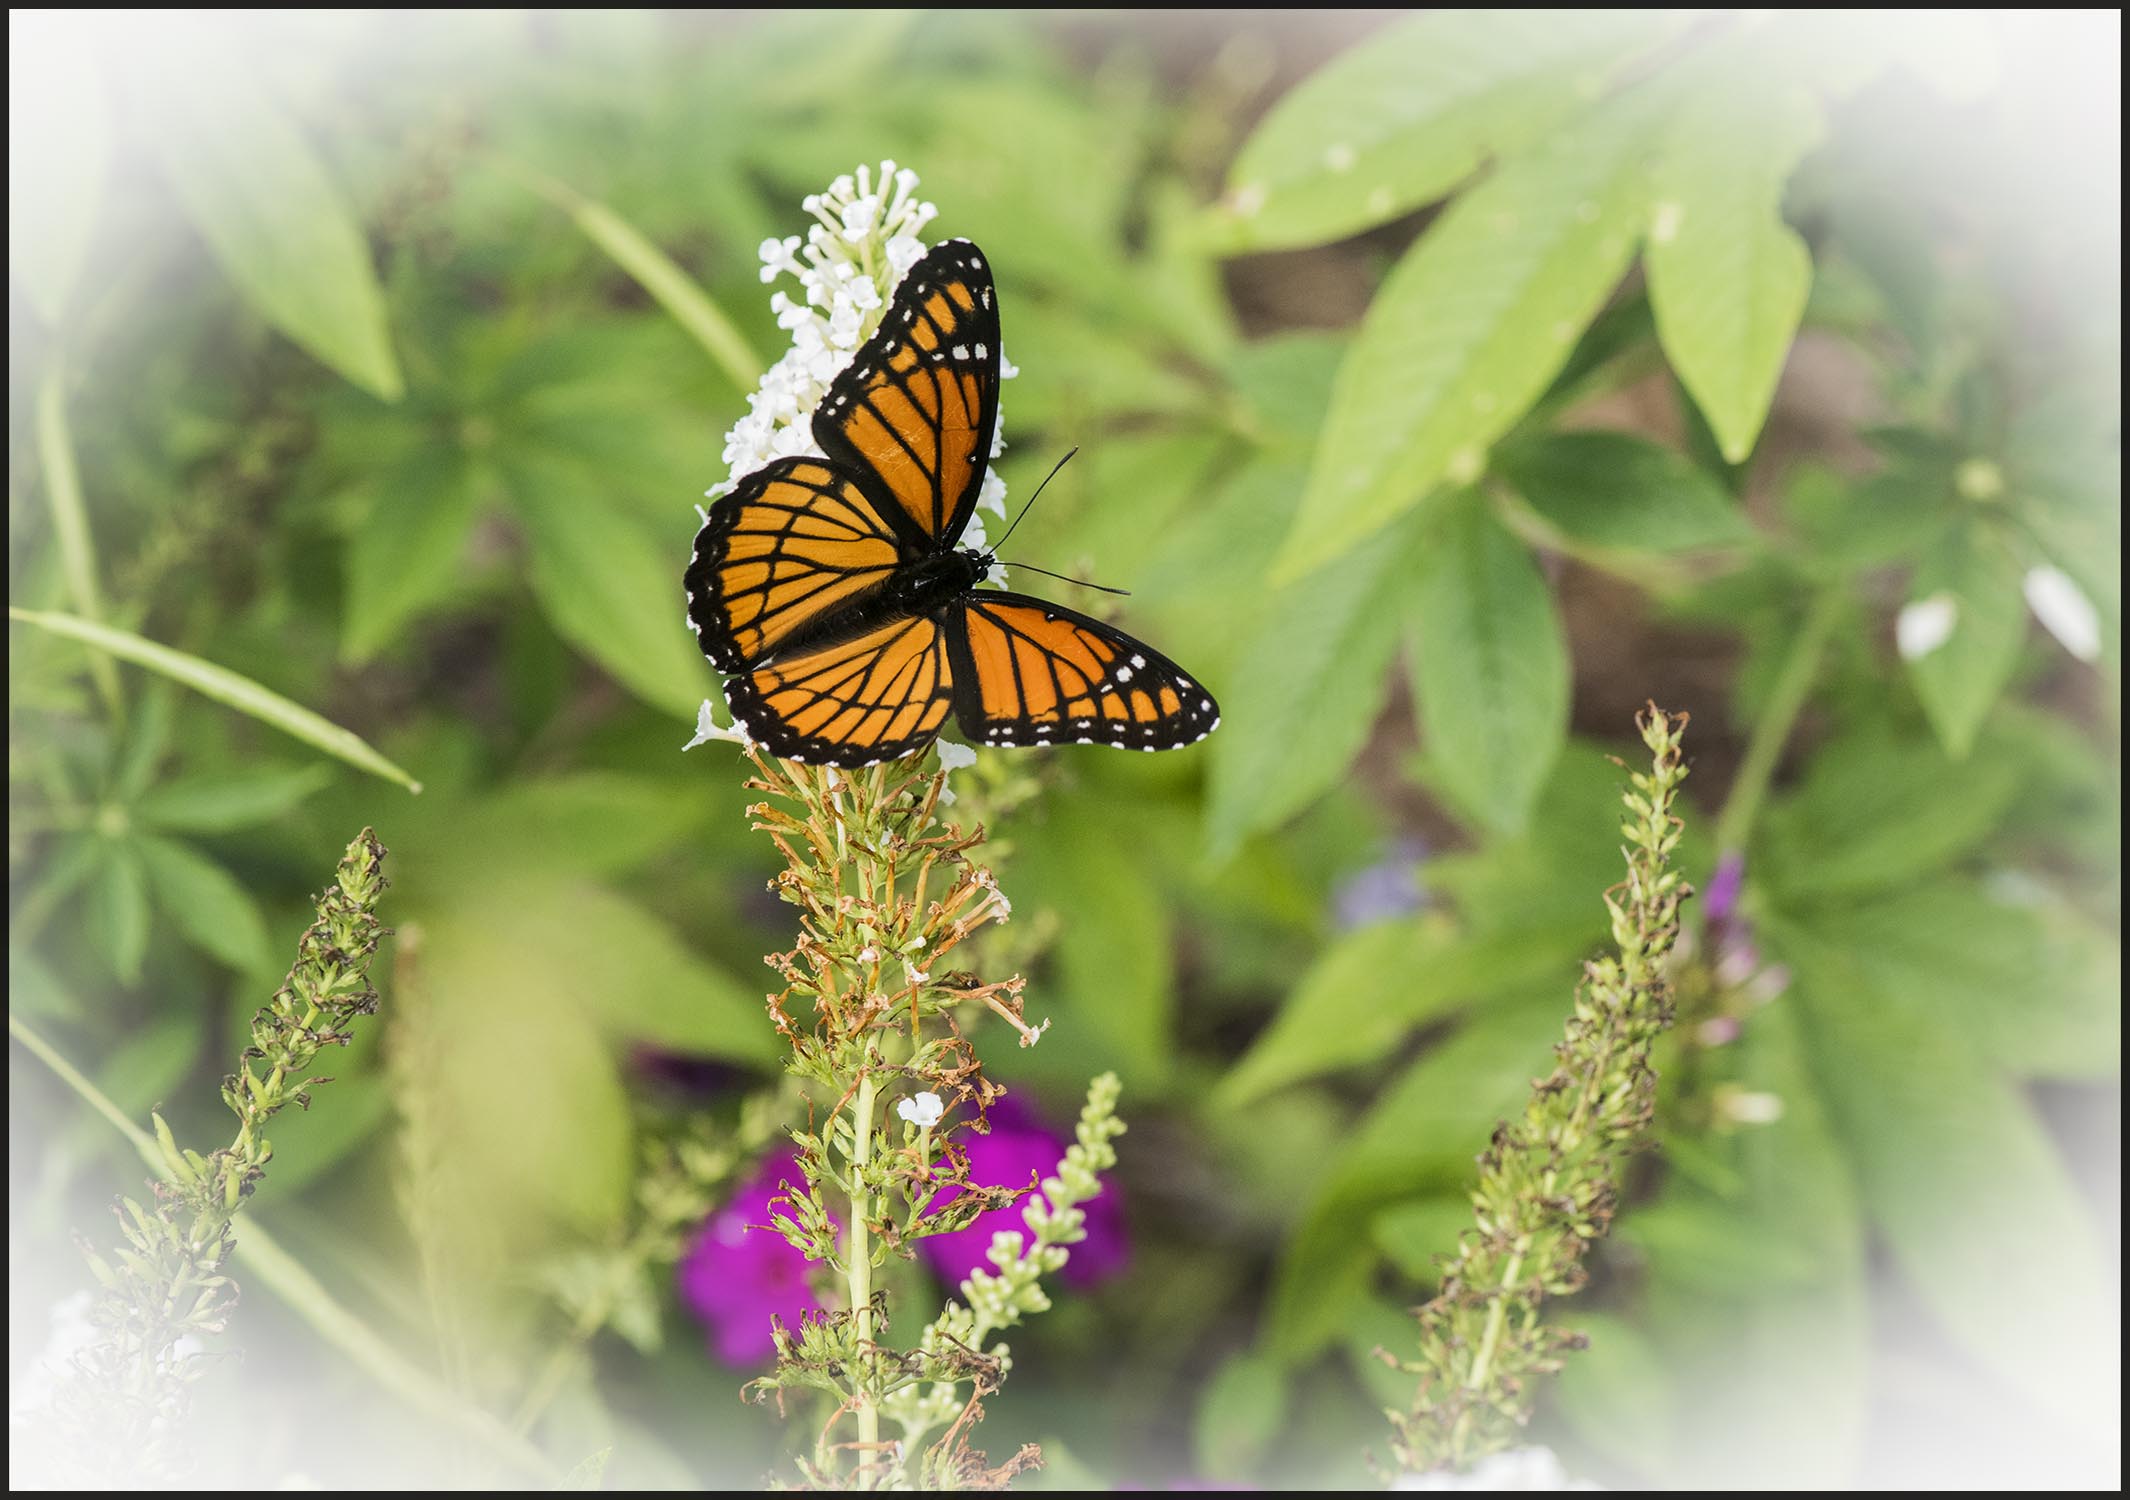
[1027,672]
[877,695]
[794,542]
[913,415]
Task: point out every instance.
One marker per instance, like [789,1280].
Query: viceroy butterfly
[833,596]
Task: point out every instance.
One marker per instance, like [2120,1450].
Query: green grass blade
[224,686]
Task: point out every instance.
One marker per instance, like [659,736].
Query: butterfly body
[834,594]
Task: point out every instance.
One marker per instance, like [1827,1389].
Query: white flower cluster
[866,234]
[1518,1469]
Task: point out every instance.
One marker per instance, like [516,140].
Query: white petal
[1925,625]
[2063,607]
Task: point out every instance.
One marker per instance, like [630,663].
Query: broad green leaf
[1610,489]
[58,156]
[269,209]
[207,904]
[1406,114]
[1370,988]
[617,964]
[1239,1416]
[608,588]
[224,686]
[1850,524]
[1878,809]
[118,907]
[1728,279]
[1420,1135]
[1472,324]
[1114,949]
[138,1074]
[1962,1179]
[1961,678]
[2036,988]
[407,553]
[1491,671]
[1316,679]
[586,823]
[217,801]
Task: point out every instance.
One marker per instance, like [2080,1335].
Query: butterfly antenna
[1032,499]
[1083,583]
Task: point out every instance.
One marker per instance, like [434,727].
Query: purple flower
[1020,1148]
[1721,902]
[734,1278]
[1386,889]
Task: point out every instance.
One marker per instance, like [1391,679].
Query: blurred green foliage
[377,361]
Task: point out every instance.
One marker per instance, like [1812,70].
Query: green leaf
[207,904]
[1960,679]
[1114,949]
[586,822]
[1728,279]
[1371,988]
[608,588]
[655,271]
[138,1074]
[2033,986]
[1315,681]
[1472,324]
[407,553]
[1239,1416]
[58,158]
[268,208]
[217,801]
[1404,116]
[1420,1135]
[1964,1182]
[630,972]
[1491,672]
[224,686]
[1619,1394]
[118,908]
[1878,809]
[1609,489]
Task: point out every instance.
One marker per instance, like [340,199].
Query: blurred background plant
[1447,385]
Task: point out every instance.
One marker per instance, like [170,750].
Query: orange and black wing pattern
[879,694]
[913,415]
[1031,673]
[793,543]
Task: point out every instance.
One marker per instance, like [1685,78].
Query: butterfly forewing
[1032,673]
[877,695]
[793,543]
[913,414]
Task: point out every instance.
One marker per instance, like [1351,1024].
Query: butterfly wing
[793,542]
[876,695]
[1027,672]
[913,414]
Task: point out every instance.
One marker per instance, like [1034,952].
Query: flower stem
[1800,669]
[861,1266]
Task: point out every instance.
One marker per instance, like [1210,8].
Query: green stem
[861,1270]
[305,1295]
[655,271]
[1800,669]
[70,517]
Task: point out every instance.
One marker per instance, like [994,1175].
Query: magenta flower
[1020,1148]
[1721,902]
[735,1278]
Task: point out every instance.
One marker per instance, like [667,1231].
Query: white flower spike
[707,729]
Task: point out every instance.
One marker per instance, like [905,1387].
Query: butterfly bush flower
[868,230]
[738,1275]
